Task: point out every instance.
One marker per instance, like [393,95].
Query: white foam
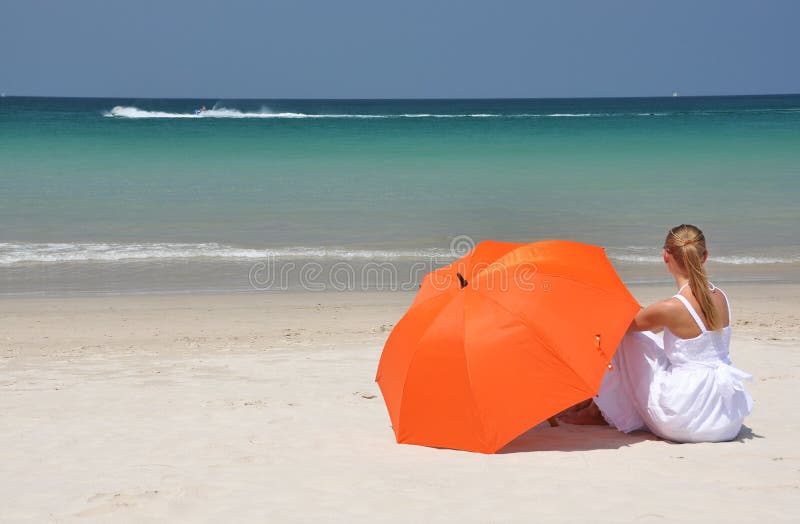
[643,255]
[222,112]
[21,253]
[636,258]
[743,260]
[135,112]
[573,115]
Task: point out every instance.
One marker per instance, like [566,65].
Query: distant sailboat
[674,93]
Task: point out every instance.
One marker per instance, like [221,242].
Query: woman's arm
[654,317]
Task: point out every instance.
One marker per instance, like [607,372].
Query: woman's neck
[681,281]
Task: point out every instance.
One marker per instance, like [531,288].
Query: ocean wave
[640,255]
[644,259]
[265,113]
[733,260]
[21,253]
[135,112]
[26,253]
[221,112]
[747,260]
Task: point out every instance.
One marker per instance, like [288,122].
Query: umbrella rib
[469,377]
[410,363]
[429,299]
[535,335]
[581,282]
[416,348]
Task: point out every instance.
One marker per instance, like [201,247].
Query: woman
[685,389]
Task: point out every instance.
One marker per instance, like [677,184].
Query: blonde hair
[687,245]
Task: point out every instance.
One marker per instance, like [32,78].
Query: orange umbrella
[500,340]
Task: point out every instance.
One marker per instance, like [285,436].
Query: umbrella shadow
[568,437]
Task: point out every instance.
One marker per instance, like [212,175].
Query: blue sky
[401,49]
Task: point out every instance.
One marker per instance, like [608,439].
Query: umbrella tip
[462,280]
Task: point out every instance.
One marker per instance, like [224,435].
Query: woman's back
[703,346]
[685,325]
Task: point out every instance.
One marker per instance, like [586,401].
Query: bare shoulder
[657,315]
[667,308]
[719,298]
[721,305]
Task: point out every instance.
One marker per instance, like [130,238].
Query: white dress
[684,390]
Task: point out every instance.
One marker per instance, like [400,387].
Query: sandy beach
[213,217]
[262,408]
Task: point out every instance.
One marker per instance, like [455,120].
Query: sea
[139,196]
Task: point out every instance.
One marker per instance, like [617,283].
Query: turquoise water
[146,192]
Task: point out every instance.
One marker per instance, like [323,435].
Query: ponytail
[688,245]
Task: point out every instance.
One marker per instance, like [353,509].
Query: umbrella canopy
[500,340]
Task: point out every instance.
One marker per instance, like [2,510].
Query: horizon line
[6,95]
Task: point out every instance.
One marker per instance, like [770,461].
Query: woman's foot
[588,416]
[574,409]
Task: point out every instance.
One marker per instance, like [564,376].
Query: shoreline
[352,313]
[201,278]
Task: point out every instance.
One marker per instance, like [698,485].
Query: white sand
[263,409]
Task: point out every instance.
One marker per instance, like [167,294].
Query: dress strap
[692,312]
